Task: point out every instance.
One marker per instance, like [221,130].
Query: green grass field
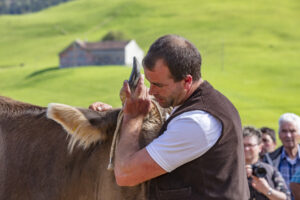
[250,50]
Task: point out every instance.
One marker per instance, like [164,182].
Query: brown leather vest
[220,172]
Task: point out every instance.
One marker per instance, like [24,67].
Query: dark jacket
[273,158]
[220,172]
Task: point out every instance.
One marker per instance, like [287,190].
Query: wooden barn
[81,53]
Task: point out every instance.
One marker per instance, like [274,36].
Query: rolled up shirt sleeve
[188,136]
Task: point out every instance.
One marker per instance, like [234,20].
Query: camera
[258,170]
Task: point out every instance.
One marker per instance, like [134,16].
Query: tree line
[26,6]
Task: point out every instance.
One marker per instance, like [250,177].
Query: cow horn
[135,74]
[133,79]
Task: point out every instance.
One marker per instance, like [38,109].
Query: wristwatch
[269,193]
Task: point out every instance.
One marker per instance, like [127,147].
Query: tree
[25,6]
[114,35]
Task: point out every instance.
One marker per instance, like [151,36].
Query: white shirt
[188,136]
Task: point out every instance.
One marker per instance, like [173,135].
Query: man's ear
[188,81]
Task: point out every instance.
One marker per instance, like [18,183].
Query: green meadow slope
[250,50]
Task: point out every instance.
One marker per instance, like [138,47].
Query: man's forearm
[277,195]
[132,164]
[127,146]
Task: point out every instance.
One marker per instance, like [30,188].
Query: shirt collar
[284,155]
[175,108]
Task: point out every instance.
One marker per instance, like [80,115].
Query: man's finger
[127,89]
[92,107]
[99,106]
[141,90]
[104,107]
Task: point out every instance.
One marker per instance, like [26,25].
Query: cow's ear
[82,132]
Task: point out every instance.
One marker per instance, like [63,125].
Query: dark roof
[102,45]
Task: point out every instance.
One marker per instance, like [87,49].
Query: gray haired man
[287,157]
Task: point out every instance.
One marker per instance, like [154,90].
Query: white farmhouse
[80,53]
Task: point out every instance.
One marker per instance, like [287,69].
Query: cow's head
[85,126]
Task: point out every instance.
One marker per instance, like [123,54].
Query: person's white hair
[289,117]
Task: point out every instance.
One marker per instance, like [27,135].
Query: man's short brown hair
[180,55]
[270,132]
[249,131]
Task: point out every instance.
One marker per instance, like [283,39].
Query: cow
[61,152]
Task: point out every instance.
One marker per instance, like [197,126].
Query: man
[198,154]
[268,140]
[287,157]
[271,185]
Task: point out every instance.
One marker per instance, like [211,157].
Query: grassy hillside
[75,86]
[250,50]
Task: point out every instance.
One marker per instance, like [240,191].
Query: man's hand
[260,184]
[99,106]
[137,104]
[249,170]
[132,164]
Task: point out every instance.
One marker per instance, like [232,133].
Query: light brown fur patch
[76,124]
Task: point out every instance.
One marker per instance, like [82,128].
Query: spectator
[271,185]
[287,157]
[268,140]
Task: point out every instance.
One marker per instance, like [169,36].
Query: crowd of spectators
[273,173]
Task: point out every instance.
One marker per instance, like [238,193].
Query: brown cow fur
[76,124]
[35,163]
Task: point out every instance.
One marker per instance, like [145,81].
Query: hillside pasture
[250,50]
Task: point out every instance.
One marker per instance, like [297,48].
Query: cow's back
[35,162]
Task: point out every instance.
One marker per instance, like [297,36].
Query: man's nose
[246,147]
[289,134]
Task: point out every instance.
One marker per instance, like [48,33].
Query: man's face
[289,135]
[162,86]
[268,144]
[251,149]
